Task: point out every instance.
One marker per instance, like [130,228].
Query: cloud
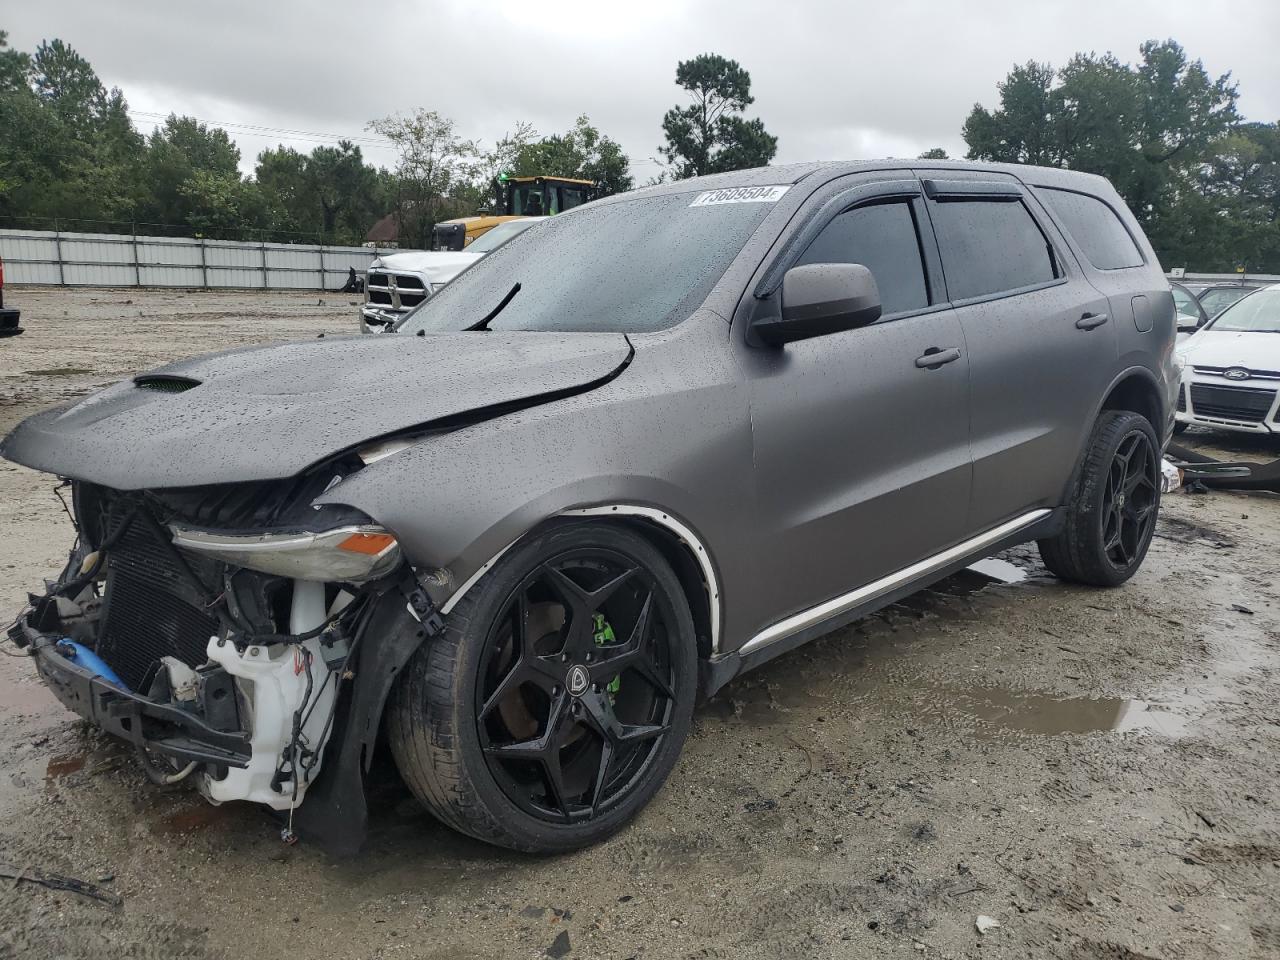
[831,79]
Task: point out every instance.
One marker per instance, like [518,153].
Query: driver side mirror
[821,298]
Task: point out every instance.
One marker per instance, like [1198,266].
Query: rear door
[1040,340]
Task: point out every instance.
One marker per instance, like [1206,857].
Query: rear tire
[557,700]
[1112,512]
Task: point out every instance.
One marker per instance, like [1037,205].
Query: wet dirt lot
[1095,770]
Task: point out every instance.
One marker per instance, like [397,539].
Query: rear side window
[1095,228]
[991,247]
[882,238]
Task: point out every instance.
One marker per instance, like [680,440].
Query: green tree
[68,152]
[474,191]
[1240,189]
[67,148]
[281,175]
[934,153]
[581,152]
[433,162]
[22,132]
[711,135]
[216,205]
[332,192]
[1149,128]
[15,68]
[183,150]
[1022,128]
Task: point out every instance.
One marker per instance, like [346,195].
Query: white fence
[1222,278]
[124,260]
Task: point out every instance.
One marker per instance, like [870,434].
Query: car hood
[1227,348]
[436,267]
[269,412]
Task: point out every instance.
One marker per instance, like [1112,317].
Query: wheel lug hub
[577,681]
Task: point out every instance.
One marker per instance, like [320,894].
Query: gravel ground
[1096,770]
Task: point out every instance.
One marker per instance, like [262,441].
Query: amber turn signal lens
[370,544]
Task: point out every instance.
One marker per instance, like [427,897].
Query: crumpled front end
[219,630]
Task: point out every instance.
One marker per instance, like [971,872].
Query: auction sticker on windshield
[741,195]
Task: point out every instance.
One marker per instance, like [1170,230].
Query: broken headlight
[350,554]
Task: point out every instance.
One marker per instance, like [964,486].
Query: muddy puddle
[1209,696]
[871,676]
[1047,714]
[997,570]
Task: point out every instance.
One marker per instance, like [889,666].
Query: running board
[836,612]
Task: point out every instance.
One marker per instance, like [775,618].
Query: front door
[861,438]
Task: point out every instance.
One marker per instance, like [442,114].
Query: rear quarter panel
[1141,300]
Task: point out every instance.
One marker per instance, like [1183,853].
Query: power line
[252,129]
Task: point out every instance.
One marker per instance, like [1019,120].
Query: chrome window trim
[847,601]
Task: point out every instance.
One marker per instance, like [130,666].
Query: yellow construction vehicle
[513,198]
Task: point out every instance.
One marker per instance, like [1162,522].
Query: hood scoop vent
[165,384]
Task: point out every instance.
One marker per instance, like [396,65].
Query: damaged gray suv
[674,435]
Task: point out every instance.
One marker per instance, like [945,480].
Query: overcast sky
[833,80]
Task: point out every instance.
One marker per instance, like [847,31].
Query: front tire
[1111,515]
[557,700]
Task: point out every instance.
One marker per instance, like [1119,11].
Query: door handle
[935,357]
[1091,320]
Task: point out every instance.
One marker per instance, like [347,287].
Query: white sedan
[1231,368]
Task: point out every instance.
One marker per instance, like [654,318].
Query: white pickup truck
[397,282]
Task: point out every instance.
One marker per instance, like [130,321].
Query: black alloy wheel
[576,688]
[1130,500]
[1110,515]
[557,699]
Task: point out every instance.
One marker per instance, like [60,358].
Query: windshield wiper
[483,322]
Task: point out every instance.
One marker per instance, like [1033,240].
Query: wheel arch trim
[662,518]
[1134,374]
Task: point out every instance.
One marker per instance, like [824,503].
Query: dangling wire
[295,749]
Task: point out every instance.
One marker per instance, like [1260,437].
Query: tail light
[1,273]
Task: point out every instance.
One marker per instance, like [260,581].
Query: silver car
[675,434]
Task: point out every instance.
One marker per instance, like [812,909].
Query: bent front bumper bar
[160,727]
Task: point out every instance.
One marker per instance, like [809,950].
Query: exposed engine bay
[217,628]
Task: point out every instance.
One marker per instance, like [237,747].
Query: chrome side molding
[847,601]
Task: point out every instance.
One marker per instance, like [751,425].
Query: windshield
[526,200]
[571,197]
[629,266]
[496,237]
[1217,299]
[1259,313]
